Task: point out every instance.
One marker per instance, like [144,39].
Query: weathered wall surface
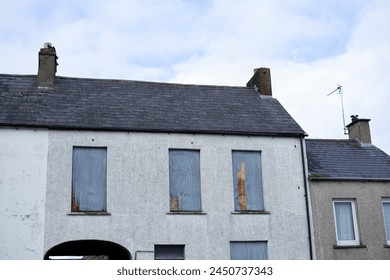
[138,195]
[23,165]
[368,202]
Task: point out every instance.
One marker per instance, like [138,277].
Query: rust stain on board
[174,203]
[75,204]
[241,187]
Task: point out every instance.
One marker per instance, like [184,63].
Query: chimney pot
[47,66]
[354,118]
[359,130]
[261,80]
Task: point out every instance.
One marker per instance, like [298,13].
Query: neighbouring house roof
[102,104]
[346,159]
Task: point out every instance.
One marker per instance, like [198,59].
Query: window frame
[170,178]
[177,246]
[352,242]
[235,184]
[74,209]
[387,201]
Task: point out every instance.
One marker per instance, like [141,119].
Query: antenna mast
[339,91]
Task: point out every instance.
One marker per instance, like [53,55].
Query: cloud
[361,69]
[308,58]
[311,46]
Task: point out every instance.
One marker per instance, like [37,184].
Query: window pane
[386,214]
[89,179]
[344,221]
[248,250]
[169,252]
[247,181]
[184,180]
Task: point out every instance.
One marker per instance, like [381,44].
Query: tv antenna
[339,90]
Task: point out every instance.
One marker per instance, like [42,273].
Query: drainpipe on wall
[307,198]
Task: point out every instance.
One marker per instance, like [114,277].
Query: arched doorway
[88,250]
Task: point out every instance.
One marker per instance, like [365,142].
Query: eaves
[154,130]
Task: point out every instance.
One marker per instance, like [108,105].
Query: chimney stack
[359,130]
[47,66]
[262,81]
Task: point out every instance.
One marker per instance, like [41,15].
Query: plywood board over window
[89,176]
[184,180]
[247,181]
[248,250]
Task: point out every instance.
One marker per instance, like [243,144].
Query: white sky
[311,46]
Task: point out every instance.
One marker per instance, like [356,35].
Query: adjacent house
[118,169]
[350,195]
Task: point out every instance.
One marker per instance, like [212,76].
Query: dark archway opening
[88,250]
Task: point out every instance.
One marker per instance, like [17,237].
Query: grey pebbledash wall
[368,202]
[138,195]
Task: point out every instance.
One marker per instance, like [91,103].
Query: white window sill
[88,213]
[253,212]
[186,213]
[360,246]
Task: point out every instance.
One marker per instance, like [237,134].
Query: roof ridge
[18,75]
[151,82]
[331,140]
[129,80]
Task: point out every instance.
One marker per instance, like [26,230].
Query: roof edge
[182,131]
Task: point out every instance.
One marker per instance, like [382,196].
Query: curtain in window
[89,179]
[184,180]
[247,181]
[248,250]
[386,214]
[344,221]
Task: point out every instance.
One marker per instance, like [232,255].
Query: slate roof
[346,159]
[101,104]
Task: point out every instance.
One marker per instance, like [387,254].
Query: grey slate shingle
[78,103]
[346,159]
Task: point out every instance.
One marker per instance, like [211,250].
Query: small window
[346,223]
[247,181]
[386,217]
[184,180]
[248,250]
[169,252]
[89,179]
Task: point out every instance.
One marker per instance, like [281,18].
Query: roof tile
[78,103]
[346,159]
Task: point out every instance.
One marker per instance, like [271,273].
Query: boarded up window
[247,181]
[248,250]
[169,252]
[184,180]
[89,179]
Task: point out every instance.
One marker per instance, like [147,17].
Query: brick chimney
[47,66]
[359,129]
[261,80]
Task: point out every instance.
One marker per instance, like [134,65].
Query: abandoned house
[350,195]
[117,169]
